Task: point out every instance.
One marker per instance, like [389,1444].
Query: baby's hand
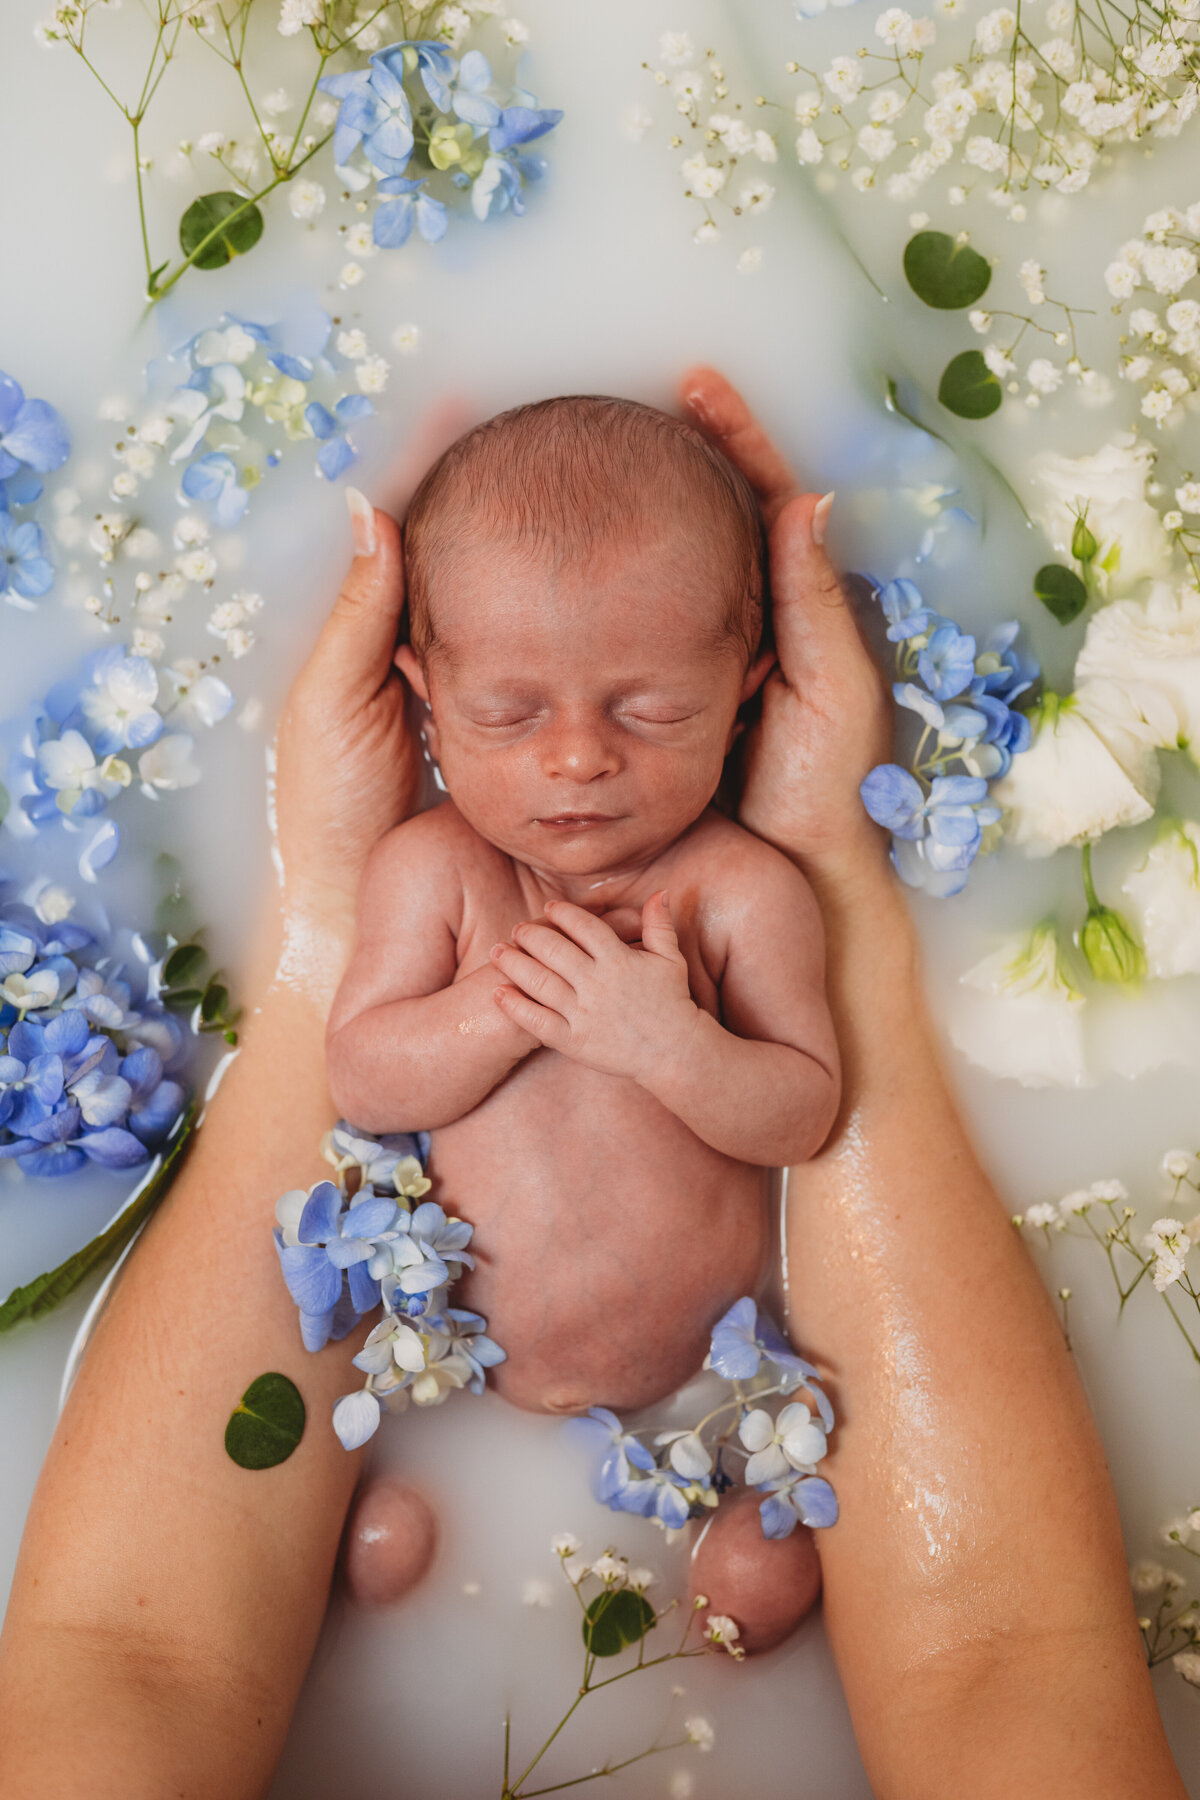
[623,1009]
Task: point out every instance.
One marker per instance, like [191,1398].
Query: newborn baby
[603,997]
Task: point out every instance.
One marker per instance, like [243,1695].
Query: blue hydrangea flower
[744,1336]
[805,1500]
[374,111]
[499,184]
[320,1240]
[600,1430]
[951,815]
[521,125]
[214,478]
[470,1339]
[657,1495]
[119,704]
[409,205]
[1004,670]
[336,453]
[31,432]
[25,569]
[905,610]
[955,723]
[946,663]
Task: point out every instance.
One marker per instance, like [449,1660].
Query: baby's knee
[765,1585]
[391,1540]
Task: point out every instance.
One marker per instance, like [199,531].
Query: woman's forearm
[977,1567]
[167,1601]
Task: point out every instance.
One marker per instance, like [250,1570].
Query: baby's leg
[765,1585]
[391,1539]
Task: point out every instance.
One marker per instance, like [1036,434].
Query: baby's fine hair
[563,475]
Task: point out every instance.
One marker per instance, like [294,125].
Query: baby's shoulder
[433,852]
[731,860]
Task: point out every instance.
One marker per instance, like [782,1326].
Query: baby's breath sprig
[616,1617]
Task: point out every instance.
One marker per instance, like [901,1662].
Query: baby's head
[585,591]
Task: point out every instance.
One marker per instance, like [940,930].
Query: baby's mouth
[576,821]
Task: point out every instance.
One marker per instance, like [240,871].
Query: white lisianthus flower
[1155,641]
[1164,893]
[1111,486]
[1069,786]
[1022,1017]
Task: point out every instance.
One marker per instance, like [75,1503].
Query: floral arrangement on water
[421,123]
[33,442]
[690,1469]
[369,1239]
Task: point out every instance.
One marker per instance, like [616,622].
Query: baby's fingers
[533,978]
[582,927]
[548,1027]
[658,930]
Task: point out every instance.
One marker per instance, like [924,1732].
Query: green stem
[1089,887]
[608,1769]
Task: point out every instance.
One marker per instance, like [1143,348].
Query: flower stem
[1089,886]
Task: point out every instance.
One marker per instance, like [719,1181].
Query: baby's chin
[598,849]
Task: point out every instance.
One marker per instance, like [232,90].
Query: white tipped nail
[820,518]
[362,522]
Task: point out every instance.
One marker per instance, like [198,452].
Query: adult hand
[347,766]
[825,719]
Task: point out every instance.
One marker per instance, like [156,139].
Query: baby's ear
[756,674]
[406,661]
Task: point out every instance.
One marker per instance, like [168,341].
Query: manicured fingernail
[362,522]
[695,404]
[820,518]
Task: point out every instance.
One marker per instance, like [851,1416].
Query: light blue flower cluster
[688,1471]
[416,112]
[370,1239]
[33,442]
[86,1075]
[241,368]
[965,695]
[121,719]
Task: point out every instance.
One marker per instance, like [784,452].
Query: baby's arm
[765,1090]
[408,1046]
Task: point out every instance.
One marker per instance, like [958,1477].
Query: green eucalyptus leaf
[182,999]
[1060,591]
[43,1294]
[266,1424]
[968,387]
[214,1004]
[616,1619]
[944,273]
[227,224]
[185,966]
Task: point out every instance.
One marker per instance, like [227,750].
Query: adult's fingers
[721,413]
[353,655]
[814,624]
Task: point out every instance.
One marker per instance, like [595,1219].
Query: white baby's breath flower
[1157,405]
[353,343]
[706,232]
[765,147]
[808,106]
[636,121]
[995,29]
[1043,376]
[306,199]
[294,15]
[190,529]
[124,485]
[197,565]
[350,274]
[1147,1577]
[675,47]
[640,1579]
[876,142]
[514,32]
[809,148]
[609,1568]
[700,1732]
[750,261]
[998,361]
[360,242]
[1187,1664]
[150,644]
[239,642]
[844,77]
[1120,280]
[979,320]
[566,1544]
[1168,1243]
[1043,1215]
[211,143]
[406,339]
[537,1592]
[372,374]
[1176,1166]
[720,1629]
[755,196]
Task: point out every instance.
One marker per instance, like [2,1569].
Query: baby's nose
[579,751]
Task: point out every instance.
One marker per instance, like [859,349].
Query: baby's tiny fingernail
[497,948]
[820,518]
[362,522]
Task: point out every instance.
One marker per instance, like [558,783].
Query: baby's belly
[608,1239]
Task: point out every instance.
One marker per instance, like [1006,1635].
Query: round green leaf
[968,387]
[615,1620]
[266,1424]
[943,273]
[1060,591]
[215,1003]
[182,999]
[230,223]
[185,966]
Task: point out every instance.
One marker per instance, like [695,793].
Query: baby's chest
[496,905]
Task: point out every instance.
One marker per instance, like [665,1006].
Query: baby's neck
[601,891]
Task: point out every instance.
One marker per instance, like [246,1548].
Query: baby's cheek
[391,1540]
[765,1585]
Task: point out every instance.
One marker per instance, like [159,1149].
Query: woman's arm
[166,1601]
[975,1587]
